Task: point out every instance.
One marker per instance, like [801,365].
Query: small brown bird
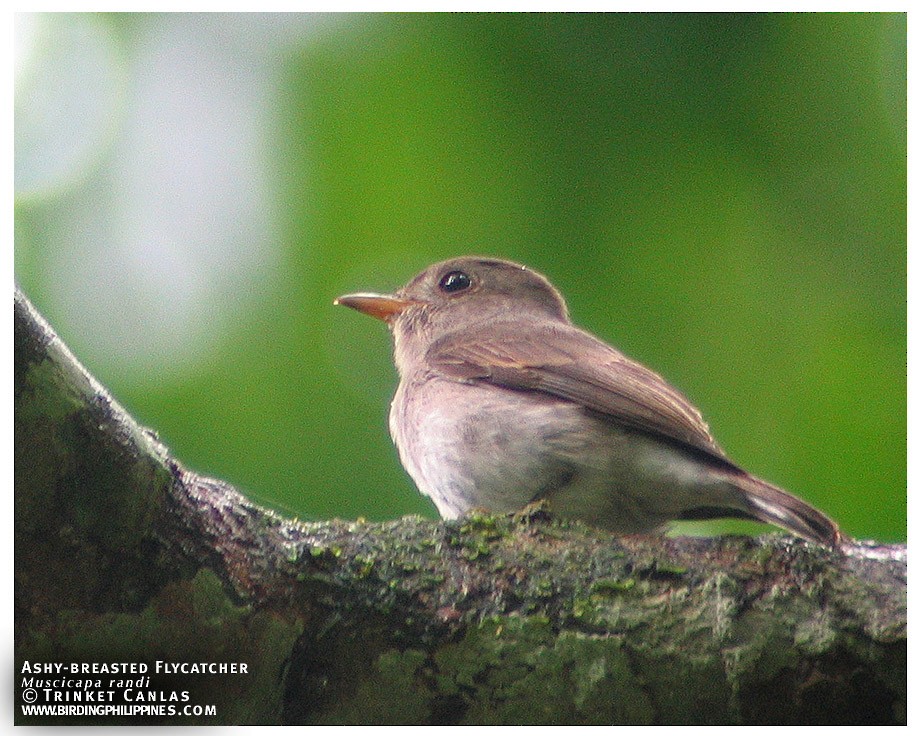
[502,401]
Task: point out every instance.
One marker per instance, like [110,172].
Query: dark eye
[454,281]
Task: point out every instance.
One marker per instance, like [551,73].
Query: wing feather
[564,361]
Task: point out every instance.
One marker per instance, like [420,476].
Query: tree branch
[122,555]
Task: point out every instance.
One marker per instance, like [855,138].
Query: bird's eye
[454,281]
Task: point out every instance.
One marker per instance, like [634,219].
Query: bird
[503,402]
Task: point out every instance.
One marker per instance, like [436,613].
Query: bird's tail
[771,504]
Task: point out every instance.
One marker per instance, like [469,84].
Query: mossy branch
[122,555]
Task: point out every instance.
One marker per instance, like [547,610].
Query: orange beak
[381,306]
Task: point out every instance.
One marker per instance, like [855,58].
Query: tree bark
[124,556]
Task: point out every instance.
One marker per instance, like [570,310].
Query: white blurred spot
[172,240]
[68,81]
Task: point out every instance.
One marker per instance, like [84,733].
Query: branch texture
[123,555]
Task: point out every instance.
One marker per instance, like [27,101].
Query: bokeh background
[723,197]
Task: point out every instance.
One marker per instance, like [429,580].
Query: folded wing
[561,360]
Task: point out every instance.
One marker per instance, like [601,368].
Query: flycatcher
[502,401]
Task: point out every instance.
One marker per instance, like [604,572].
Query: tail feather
[773,505]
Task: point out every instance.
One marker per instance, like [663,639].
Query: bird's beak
[381,306]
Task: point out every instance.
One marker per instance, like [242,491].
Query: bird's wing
[561,360]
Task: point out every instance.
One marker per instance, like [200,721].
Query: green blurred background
[723,197]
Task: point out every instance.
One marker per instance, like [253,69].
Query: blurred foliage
[723,197]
